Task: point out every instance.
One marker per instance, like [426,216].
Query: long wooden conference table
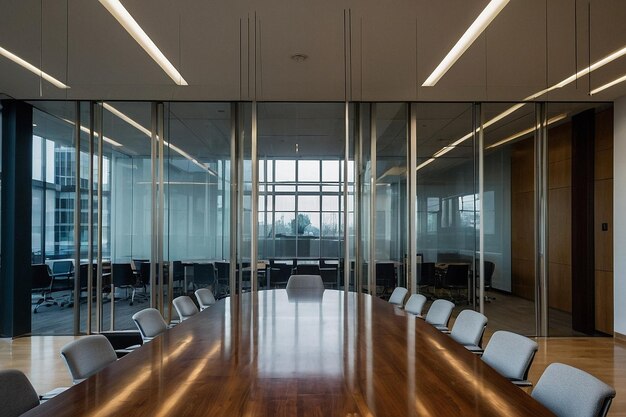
[302,353]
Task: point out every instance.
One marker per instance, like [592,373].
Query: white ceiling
[241,49]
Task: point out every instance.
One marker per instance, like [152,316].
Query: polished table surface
[302,353]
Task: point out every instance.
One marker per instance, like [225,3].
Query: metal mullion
[346,233]
[372,263]
[92,118]
[153,203]
[160,275]
[99,250]
[254,202]
[541,220]
[234,208]
[481,210]
[411,197]
[77,216]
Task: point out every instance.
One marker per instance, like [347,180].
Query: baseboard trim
[619,337]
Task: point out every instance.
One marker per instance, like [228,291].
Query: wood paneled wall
[603,213]
[522,220]
[559,217]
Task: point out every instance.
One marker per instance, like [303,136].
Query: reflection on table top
[273,353]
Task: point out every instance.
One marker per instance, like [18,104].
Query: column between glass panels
[234,196]
[99,285]
[254,202]
[478,128]
[346,231]
[371,275]
[77,218]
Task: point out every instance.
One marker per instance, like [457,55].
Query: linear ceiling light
[526,131]
[24,64]
[86,130]
[471,34]
[598,64]
[132,27]
[608,85]
[146,132]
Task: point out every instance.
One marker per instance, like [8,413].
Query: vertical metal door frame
[99,301]
[254,197]
[358,179]
[159,277]
[92,127]
[346,232]
[77,216]
[541,219]
[153,202]
[478,120]
[372,258]
[234,192]
[411,197]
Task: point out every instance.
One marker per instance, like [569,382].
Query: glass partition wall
[467,201]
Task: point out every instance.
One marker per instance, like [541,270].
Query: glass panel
[127,229]
[509,218]
[296,135]
[446,203]
[390,200]
[53,194]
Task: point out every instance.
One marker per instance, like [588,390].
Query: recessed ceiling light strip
[526,131]
[471,34]
[30,67]
[598,64]
[86,130]
[146,132]
[608,85]
[132,27]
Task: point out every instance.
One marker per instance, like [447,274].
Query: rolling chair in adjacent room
[511,355]
[415,304]
[468,330]
[205,298]
[150,323]
[17,394]
[87,355]
[439,314]
[456,278]
[124,278]
[185,307]
[204,276]
[427,277]
[42,287]
[385,277]
[305,282]
[571,392]
[279,275]
[223,279]
[397,296]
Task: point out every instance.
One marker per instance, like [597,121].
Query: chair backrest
[397,296]
[203,274]
[223,270]
[439,312]
[122,275]
[150,323]
[510,354]
[304,282]
[386,274]
[41,276]
[17,395]
[279,274]
[62,267]
[205,298]
[308,269]
[185,307]
[570,392]
[489,268]
[415,304]
[178,271]
[456,274]
[469,328]
[427,274]
[87,355]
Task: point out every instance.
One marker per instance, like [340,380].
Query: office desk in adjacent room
[274,353]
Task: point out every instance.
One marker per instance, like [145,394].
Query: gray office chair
[570,392]
[415,304]
[150,323]
[305,282]
[511,355]
[397,296]
[185,307]
[205,298]
[17,395]
[439,314]
[468,330]
[87,355]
